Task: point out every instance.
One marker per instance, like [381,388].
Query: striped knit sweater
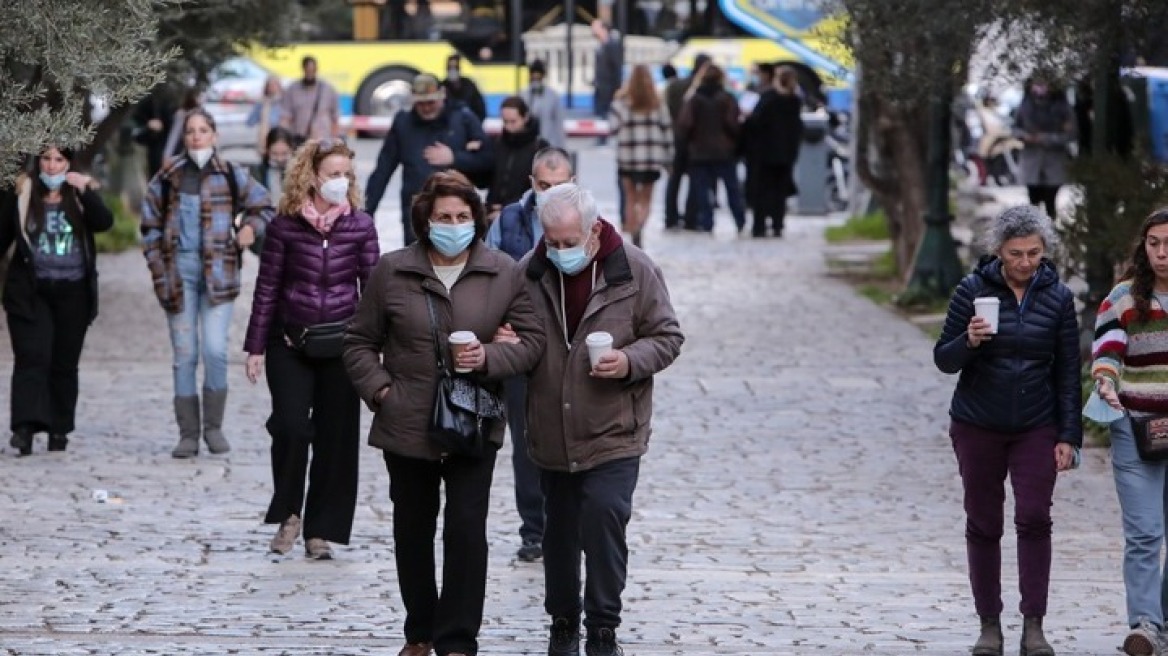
[1132,353]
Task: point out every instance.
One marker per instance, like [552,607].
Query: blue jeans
[1141,489]
[199,321]
[703,179]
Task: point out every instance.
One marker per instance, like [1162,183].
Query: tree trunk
[890,162]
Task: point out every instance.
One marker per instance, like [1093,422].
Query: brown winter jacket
[574,421]
[709,125]
[389,342]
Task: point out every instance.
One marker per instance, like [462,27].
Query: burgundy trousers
[985,458]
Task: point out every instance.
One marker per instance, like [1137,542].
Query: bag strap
[315,109]
[438,350]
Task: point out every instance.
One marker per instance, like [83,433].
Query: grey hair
[553,158]
[1020,221]
[563,201]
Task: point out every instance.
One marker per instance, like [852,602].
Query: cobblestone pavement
[799,497]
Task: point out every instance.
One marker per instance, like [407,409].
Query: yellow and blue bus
[394,40]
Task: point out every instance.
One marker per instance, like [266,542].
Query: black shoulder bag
[1151,435]
[464,412]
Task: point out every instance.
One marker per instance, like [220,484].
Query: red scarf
[323,222]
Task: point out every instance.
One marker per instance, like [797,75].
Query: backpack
[257,246]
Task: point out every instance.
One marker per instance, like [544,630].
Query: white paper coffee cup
[598,344]
[987,308]
[459,340]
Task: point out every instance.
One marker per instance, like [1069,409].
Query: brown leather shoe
[416,649]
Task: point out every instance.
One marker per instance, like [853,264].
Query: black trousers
[1044,196]
[768,188]
[588,511]
[46,348]
[451,620]
[673,188]
[313,406]
[528,493]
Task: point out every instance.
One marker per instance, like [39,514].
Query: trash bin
[811,168]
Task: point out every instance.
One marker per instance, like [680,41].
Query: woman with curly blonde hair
[644,145]
[316,260]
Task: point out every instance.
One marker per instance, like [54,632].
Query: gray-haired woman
[1015,412]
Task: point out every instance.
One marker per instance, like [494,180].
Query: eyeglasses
[463,217]
[329,143]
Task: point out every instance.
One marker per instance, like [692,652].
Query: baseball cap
[426,87]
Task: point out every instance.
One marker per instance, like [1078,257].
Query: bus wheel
[385,92]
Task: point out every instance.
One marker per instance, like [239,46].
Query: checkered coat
[644,140]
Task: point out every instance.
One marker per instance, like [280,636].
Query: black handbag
[320,341]
[464,412]
[1151,435]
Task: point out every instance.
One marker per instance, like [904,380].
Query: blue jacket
[1027,375]
[517,229]
[456,127]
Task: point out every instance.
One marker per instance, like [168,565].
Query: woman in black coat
[514,151]
[50,294]
[771,136]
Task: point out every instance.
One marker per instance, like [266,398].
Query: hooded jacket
[1027,375]
[514,153]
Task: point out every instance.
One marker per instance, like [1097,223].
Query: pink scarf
[323,222]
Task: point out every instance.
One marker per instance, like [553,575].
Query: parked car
[236,85]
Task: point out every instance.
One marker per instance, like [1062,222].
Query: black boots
[1033,642]
[602,642]
[58,441]
[21,441]
[989,643]
[565,637]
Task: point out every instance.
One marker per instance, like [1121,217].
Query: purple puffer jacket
[306,278]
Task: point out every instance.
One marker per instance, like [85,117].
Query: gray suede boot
[1033,642]
[214,405]
[186,413]
[989,643]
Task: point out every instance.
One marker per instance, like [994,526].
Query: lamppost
[937,268]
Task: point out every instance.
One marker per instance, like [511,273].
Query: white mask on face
[335,190]
[201,155]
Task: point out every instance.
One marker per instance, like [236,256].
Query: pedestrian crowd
[527,311]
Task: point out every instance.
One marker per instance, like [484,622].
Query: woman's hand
[253,367]
[1064,456]
[1107,392]
[78,180]
[473,357]
[505,335]
[245,237]
[978,332]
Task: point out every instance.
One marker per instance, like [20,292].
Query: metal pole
[517,40]
[569,20]
[937,268]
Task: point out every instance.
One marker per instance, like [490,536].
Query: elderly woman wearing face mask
[1015,412]
[200,211]
[447,281]
[317,258]
[50,292]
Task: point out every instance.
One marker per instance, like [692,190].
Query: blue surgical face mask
[570,260]
[450,240]
[53,182]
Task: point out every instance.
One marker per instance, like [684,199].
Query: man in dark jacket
[430,137]
[674,100]
[589,424]
[516,232]
[463,90]
[610,63]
